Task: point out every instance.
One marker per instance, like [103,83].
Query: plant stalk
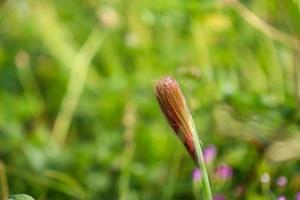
[200,161]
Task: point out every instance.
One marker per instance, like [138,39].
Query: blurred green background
[78,114]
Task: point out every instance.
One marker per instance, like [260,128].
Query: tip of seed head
[166,82]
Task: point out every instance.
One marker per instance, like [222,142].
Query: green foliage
[78,115]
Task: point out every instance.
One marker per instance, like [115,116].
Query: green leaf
[20,197]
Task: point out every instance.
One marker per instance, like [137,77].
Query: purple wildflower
[281,198]
[219,197]
[210,153]
[197,175]
[298,196]
[224,171]
[282,181]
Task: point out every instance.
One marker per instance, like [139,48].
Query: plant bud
[173,105]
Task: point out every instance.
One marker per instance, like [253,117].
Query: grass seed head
[174,107]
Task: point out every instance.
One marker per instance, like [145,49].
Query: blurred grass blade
[53,33]
[129,122]
[78,74]
[174,167]
[67,180]
[51,180]
[3,182]
[284,150]
[264,27]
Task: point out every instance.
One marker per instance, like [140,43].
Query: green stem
[3,182]
[201,163]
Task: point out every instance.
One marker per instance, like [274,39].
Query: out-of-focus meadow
[78,114]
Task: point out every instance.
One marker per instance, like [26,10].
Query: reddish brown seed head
[173,105]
